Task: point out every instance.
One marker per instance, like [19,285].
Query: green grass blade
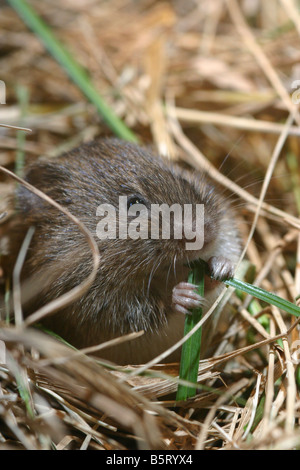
[267,297]
[23,98]
[74,70]
[190,355]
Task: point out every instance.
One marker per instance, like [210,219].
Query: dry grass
[202,80]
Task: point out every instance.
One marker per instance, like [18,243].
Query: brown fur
[133,288]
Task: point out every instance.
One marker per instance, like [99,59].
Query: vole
[141,283]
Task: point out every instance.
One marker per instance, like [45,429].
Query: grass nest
[212,84]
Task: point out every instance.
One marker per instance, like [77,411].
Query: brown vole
[141,283]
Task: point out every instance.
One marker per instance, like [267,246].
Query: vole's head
[147,215]
[149,218]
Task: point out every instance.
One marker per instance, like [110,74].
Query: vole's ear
[43,176]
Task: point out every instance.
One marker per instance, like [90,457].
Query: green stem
[190,354]
[261,294]
[74,70]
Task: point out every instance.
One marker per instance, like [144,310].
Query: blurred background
[211,84]
[200,56]
[212,78]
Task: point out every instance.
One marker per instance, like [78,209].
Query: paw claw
[221,268]
[185,298]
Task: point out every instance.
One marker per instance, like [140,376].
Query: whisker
[174,264]
[230,152]
[153,270]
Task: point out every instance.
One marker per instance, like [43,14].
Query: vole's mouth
[180,265]
[193,255]
[204,253]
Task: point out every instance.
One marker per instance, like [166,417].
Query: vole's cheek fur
[141,283]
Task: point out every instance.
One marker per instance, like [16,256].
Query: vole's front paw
[221,268]
[184,298]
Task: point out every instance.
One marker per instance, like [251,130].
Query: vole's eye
[135,200]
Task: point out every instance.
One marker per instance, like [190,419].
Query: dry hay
[202,81]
